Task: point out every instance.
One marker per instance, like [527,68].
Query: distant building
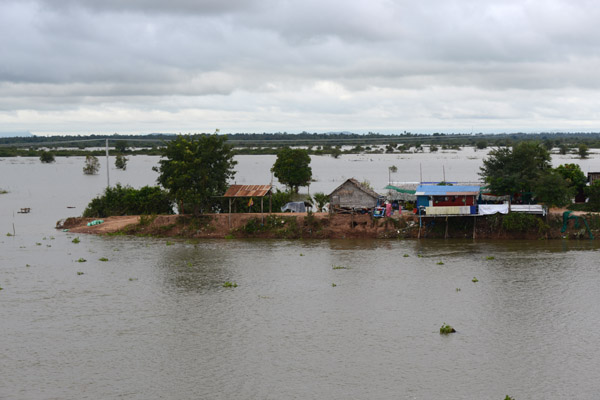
[352,195]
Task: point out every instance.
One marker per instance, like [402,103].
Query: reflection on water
[155,320]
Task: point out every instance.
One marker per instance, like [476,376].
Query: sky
[188,66]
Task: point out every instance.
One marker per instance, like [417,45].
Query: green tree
[563,149]
[593,193]
[553,190]
[573,174]
[46,157]
[583,151]
[125,200]
[507,171]
[320,199]
[481,144]
[121,162]
[91,166]
[292,168]
[121,146]
[196,169]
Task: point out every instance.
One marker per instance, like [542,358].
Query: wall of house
[445,201]
[350,196]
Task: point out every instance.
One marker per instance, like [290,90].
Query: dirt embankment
[326,226]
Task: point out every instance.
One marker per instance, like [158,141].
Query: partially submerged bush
[446,329]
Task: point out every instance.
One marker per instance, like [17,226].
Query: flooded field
[146,318]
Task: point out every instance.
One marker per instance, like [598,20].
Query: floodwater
[154,320]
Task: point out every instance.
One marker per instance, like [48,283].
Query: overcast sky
[143,66]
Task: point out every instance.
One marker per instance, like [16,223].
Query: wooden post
[446,234]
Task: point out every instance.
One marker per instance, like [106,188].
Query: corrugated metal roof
[435,190]
[247,191]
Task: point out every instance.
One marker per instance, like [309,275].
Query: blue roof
[435,190]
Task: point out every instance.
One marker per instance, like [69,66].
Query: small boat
[24,210]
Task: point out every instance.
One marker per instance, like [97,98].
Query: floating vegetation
[229,236]
[9,234]
[103,259]
[301,255]
[339,267]
[1,288]
[79,273]
[169,243]
[230,284]
[27,265]
[133,279]
[38,244]
[490,258]
[81,259]
[440,263]
[446,329]
[189,264]
[458,289]
[420,255]
[474,280]
[509,398]
[406,255]
[76,240]
[333,285]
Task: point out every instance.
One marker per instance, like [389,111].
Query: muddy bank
[326,226]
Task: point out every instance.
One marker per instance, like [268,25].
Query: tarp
[448,210]
[528,208]
[489,209]
[294,206]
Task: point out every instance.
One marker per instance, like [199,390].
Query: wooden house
[352,196]
[447,200]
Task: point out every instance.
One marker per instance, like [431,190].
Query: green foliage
[292,168]
[516,170]
[286,227]
[320,199]
[474,280]
[92,165]
[230,284]
[81,260]
[593,193]
[522,222]
[333,285]
[573,174]
[553,190]
[446,329]
[125,200]
[339,267]
[121,146]
[76,240]
[481,144]
[583,151]
[104,259]
[509,398]
[46,157]
[196,169]
[121,162]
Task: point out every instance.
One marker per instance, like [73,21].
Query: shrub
[446,329]
[521,222]
[125,200]
[92,165]
[46,157]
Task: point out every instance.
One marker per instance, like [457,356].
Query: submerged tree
[92,165]
[196,169]
[46,157]
[292,168]
[121,162]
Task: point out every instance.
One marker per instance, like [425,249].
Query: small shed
[447,200]
[248,191]
[352,195]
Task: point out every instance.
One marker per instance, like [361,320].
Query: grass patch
[230,284]
[440,263]
[446,329]
[406,255]
[9,234]
[339,267]
[103,259]
[76,240]
[474,280]
[490,258]
[79,273]
[81,259]
[133,279]
[333,285]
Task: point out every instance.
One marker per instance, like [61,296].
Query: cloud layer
[85,66]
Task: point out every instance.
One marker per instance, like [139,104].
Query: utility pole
[107,167]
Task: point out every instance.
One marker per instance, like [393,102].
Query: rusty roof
[247,191]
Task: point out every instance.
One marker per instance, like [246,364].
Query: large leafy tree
[553,190]
[519,169]
[292,168]
[196,169]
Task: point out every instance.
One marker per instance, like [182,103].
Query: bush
[119,200]
[521,222]
[46,157]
